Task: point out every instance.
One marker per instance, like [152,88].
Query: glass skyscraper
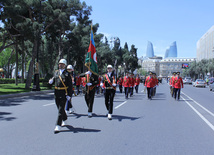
[171,51]
[150,51]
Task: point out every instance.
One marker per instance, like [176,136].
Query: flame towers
[171,51]
[149,51]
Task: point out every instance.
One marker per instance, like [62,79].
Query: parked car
[187,80]
[211,86]
[199,83]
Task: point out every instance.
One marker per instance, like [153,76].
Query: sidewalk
[25,94]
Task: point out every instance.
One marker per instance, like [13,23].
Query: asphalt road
[139,126]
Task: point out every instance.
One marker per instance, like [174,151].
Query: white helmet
[109,66]
[69,67]
[62,61]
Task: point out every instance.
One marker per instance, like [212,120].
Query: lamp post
[36,86]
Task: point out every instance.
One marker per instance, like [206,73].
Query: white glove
[51,81]
[68,98]
[89,84]
[101,84]
[114,85]
[88,72]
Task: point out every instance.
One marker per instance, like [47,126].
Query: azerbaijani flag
[91,57]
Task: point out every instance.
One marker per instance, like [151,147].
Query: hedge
[8,81]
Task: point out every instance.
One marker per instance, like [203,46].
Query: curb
[25,94]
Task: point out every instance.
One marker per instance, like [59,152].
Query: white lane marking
[199,105]
[48,104]
[120,105]
[199,114]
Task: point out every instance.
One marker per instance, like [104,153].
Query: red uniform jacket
[150,82]
[137,81]
[83,81]
[156,81]
[132,81]
[178,82]
[78,81]
[120,81]
[126,81]
[99,78]
[171,81]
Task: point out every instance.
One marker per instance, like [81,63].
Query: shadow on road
[114,117]
[120,118]
[77,130]
[15,101]
[3,118]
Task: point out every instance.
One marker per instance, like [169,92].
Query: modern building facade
[205,45]
[151,65]
[170,65]
[165,67]
[150,50]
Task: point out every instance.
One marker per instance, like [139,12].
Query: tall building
[171,51]
[167,52]
[205,45]
[149,51]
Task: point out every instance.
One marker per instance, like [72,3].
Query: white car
[187,80]
[199,83]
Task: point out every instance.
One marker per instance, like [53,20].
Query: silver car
[199,83]
[187,80]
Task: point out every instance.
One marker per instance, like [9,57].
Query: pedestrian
[126,85]
[132,85]
[120,83]
[109,82]
[63,92]
[155,83]
[178,83]
[172,84]
[68,106]
[149,84]
[137,83]
[78,83]
[91,82]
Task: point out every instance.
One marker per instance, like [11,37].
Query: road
[139,126]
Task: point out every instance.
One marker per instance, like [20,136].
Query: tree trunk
[23,70]
[16,74]
[30,70]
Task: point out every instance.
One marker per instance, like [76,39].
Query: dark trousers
[121,88]
[89,98]
[60,100]
[126,91]
[68,105]
[136,88]
[177,90]
[109,98]
[78,89]
[154,91]
[149,92]
[173,92]
[131,91]
[98,89]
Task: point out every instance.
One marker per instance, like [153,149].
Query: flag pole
[88,77]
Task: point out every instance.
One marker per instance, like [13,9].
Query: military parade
[80,77]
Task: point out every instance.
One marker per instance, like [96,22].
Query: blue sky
[158,21]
